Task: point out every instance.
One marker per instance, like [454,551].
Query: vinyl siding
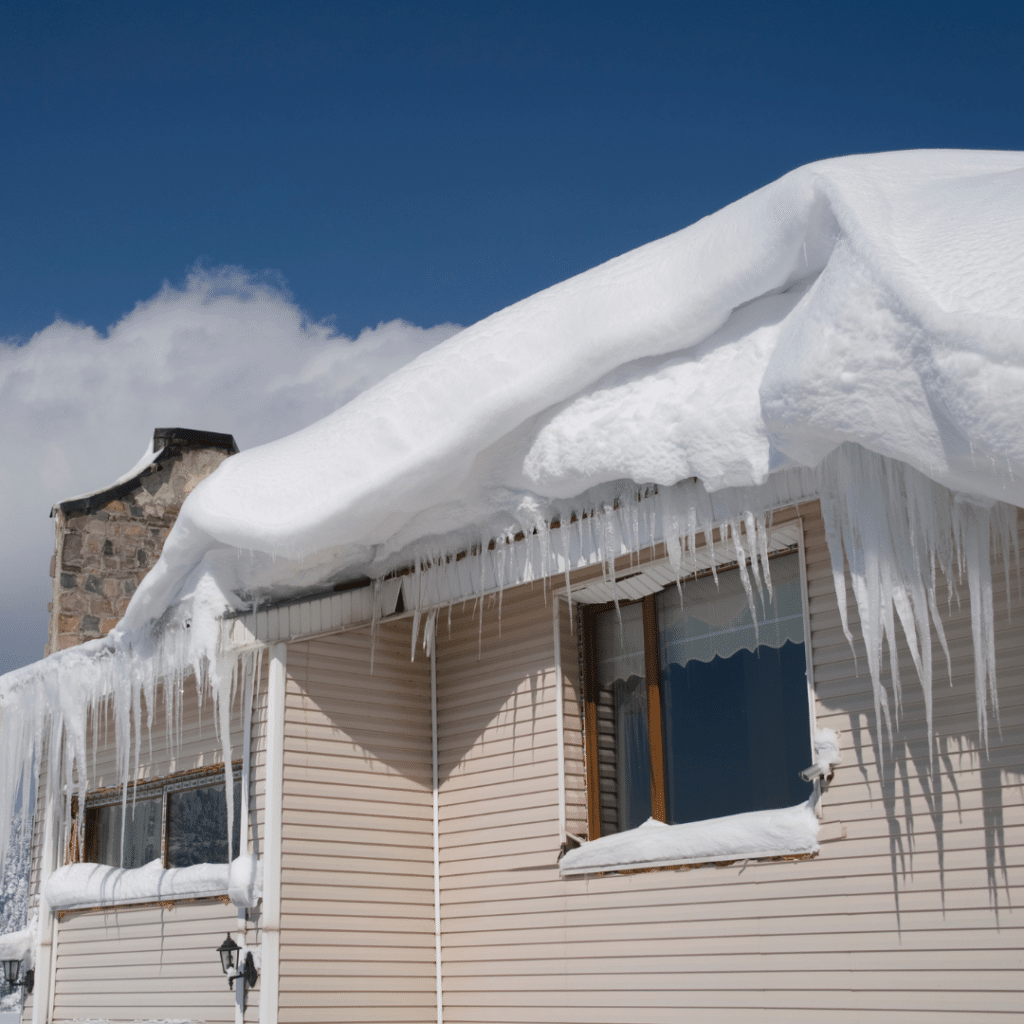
[914,915]
[357,896]
[151,961]
[145,962]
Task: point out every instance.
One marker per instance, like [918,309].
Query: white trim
[244,838]
[45,961]
[556,604]
[432,624]
[270,979]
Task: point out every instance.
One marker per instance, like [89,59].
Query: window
[180,820]
[694,709]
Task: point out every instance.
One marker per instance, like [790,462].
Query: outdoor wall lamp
[12,968]
[229,950]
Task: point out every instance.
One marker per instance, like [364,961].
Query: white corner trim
[46,937]
[270,977]
[556,606]
[432,624]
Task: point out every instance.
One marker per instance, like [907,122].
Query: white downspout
[559,723]
[270,965]
[45,961]
[437,848]
[244,842]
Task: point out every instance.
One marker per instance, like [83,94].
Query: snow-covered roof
[875,299]
[861,319]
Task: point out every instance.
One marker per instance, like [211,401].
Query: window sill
[790,831]
[78,886]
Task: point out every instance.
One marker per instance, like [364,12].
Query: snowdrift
[860,318]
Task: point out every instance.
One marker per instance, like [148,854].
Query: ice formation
[788,831]
[856,327]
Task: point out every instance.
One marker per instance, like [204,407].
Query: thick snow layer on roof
[876,299]
[862,316]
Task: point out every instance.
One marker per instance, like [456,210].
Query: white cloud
[225,352]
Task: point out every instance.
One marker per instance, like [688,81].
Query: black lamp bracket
[248,972]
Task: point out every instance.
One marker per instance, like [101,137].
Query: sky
[234,216]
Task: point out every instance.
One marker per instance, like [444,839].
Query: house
[660,662]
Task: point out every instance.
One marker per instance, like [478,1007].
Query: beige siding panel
[138,962]
[100,956]
[357,903]
[144,962]
[915,915]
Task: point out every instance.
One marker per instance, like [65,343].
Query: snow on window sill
[77,886]
[789,831]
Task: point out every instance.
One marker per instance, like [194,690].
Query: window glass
[735,712]
[197,825]
[141,833]
[623,749]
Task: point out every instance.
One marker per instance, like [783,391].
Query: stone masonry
[107,541]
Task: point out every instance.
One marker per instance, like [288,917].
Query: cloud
[225,352]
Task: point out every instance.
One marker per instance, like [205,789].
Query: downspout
[244,840]
[559,722]
[270,960]
[437,850]
[45,961]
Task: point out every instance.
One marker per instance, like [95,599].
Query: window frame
[587,614]
[194,778]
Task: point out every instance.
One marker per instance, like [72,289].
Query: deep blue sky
[437,161]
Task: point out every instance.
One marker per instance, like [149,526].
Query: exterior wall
[102,552]
[915,913]
[357,898]
[140,963]
[154,961]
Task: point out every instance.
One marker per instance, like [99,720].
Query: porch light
[12,968]
[228,951]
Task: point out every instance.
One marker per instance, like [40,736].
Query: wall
[914,914]
[156,961]
[357,903]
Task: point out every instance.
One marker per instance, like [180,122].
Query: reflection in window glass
[141,833]
[734,697]
[197,826]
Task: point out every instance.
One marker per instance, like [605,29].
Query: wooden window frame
[587,618]
[195,778]
[652,671]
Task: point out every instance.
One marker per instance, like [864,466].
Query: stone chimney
[108,540]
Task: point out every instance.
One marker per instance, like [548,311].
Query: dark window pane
[197,826]
[141,833]
[734,702]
